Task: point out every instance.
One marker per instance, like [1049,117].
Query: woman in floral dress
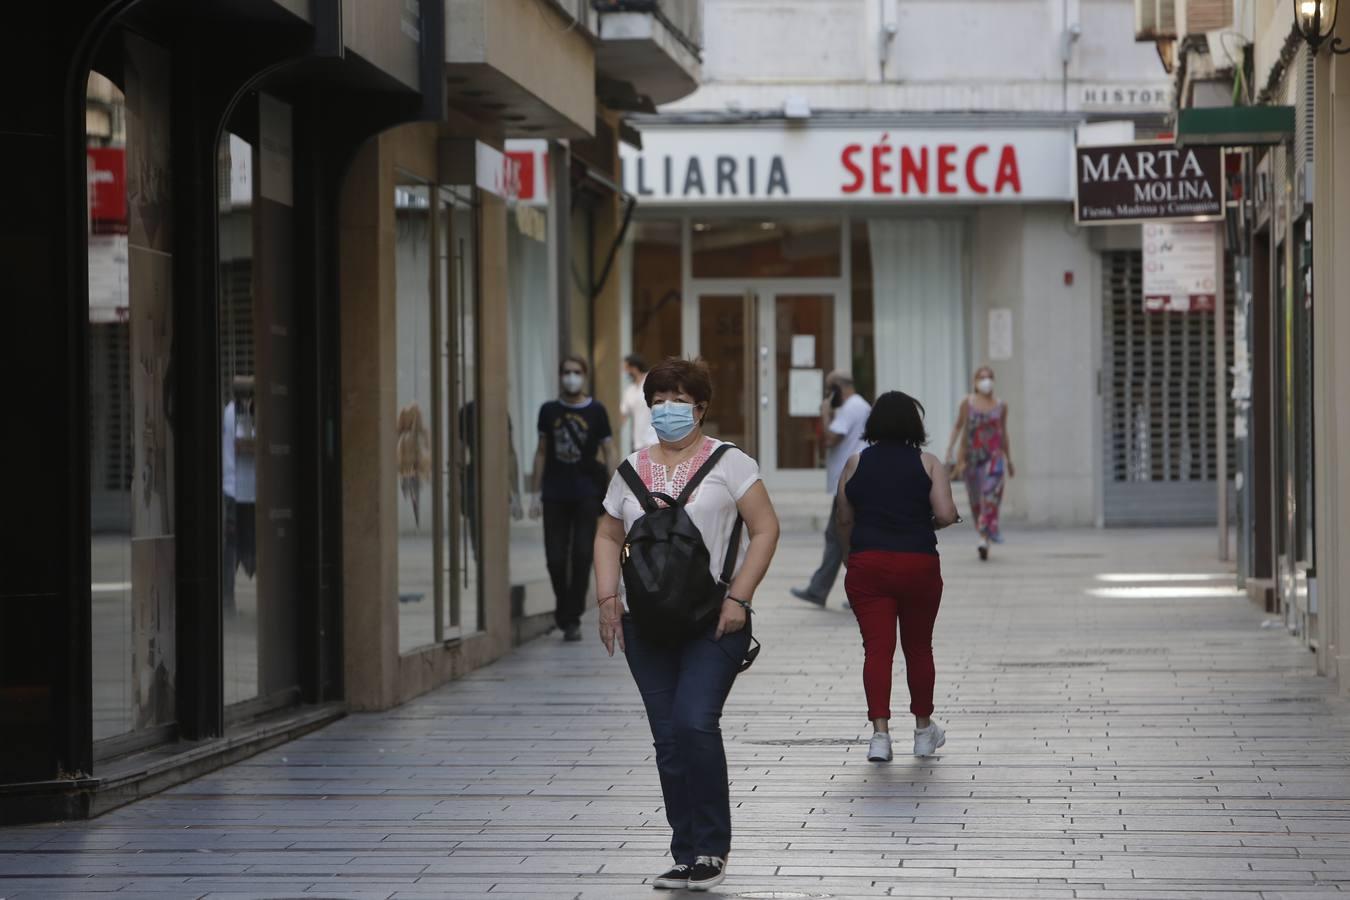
[984,458]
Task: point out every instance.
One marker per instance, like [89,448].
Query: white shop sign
[1181,266]
[738,165]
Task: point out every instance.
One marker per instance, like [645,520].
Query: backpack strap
[729,565]
[701,474]
[634,482]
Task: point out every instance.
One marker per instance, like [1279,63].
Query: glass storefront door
[761,300]
[769,349]
[728,340]
[803,355]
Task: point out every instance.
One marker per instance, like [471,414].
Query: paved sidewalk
[1114,731]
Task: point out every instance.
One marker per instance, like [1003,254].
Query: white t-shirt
[238,473]
[850,420]
[634,406]
[712,508]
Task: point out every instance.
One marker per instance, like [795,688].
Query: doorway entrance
[770,348]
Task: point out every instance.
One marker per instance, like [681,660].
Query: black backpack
[672,595]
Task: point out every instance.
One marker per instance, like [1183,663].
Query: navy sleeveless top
[889,495]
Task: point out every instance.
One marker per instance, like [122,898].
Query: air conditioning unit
[1155,20]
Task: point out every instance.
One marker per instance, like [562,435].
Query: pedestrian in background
[685,684]
[893,497]
[843,416]
[984,460]
[571,468]
[634,407]
[239,484]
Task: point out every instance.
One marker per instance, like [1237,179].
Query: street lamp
[1316,20]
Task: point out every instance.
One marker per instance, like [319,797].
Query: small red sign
[107,189]
[524,171]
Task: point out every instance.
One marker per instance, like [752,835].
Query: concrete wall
[1003,55]
[1020,255]
[533,46]
[1331,372]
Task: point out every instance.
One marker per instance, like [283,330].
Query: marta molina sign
[1149,181]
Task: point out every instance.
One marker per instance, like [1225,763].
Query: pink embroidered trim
[654,476]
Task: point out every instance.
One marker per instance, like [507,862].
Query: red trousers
[885,590]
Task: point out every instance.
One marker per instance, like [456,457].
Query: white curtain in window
[534,330]
[918,291]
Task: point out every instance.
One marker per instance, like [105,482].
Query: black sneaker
[572,633]
[676,879]
[708,873]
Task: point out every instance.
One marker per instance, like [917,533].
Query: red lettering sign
[971,179]
[880,167]
[910,170]
[847,158]
[1008,175]
[107,189]
[944,169]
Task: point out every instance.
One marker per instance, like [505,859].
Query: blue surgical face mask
[672,421]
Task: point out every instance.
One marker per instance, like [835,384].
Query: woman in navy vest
[893,497]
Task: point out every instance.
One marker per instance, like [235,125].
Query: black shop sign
[1148,182]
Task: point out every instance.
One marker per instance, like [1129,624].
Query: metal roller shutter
[1158,391]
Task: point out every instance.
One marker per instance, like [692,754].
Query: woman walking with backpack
[690,525]
[892,499]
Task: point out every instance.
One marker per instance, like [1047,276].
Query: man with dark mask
[843,415]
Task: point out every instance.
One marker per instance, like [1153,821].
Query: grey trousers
[823,581]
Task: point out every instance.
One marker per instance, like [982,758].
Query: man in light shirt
[634,407]
[843,414]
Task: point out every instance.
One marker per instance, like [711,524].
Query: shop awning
[1235,126]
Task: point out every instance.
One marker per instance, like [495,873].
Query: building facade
[267,294]
[845,191]
[1287,239]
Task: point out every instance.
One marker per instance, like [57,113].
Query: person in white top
[238,470]
[633,408]
[843,413]
[684,686]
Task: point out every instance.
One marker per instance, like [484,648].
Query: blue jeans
[823,581]
[684,688]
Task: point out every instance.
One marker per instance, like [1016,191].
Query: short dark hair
[636,362]
[897,418]
[675,375]
[578,360]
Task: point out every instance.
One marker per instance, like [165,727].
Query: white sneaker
[928,740]
[880,748]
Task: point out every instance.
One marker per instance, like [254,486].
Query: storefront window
[414,361]
[239,418]
[533,381]
[458,242]
[259,553]
[657,290]
[132,547]
[754,248]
